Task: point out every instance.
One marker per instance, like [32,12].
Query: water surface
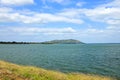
[103,59]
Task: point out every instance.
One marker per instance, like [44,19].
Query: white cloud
[114,22]
[113,3]
[4,9]
[34,31]
[56,18]
[72,13]
[107,13]
[110,33]
[10,15]
[80,4]
[16,2]
[61,2]
[57,1]
[103,14]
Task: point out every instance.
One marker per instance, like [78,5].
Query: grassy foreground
[9,71]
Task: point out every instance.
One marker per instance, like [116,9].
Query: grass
[9,71]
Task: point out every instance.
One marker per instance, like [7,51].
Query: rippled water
[101,59]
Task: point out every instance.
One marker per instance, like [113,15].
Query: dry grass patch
[10,71]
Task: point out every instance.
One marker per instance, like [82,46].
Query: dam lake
[100,59]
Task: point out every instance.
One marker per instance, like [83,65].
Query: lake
[102,59]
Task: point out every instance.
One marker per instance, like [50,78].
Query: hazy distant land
[66,41]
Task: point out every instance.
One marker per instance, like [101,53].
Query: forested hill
[67,41]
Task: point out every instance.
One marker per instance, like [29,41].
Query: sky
[90,21]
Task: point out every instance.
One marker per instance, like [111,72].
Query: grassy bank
[9,71]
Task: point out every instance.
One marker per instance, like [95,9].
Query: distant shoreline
[3,42]
[13,42]
[67,41]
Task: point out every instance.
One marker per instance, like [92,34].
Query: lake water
[103,59]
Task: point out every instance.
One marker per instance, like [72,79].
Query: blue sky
[90,21]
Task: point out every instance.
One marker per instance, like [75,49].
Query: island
[65,41]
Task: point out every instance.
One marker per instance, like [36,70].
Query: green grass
[9,71]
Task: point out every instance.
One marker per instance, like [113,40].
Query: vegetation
[68,41]
[14,42]
[10,71]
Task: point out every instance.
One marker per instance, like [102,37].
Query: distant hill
[67,41]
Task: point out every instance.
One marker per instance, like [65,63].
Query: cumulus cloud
[16,2]
[10,15]
[37,30]
[80,4]
[103,14]
[58,1]
[72,13]
[62,2]
[110,32]
[106,13]
[113,3]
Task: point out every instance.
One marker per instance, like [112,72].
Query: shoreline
[10,71]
